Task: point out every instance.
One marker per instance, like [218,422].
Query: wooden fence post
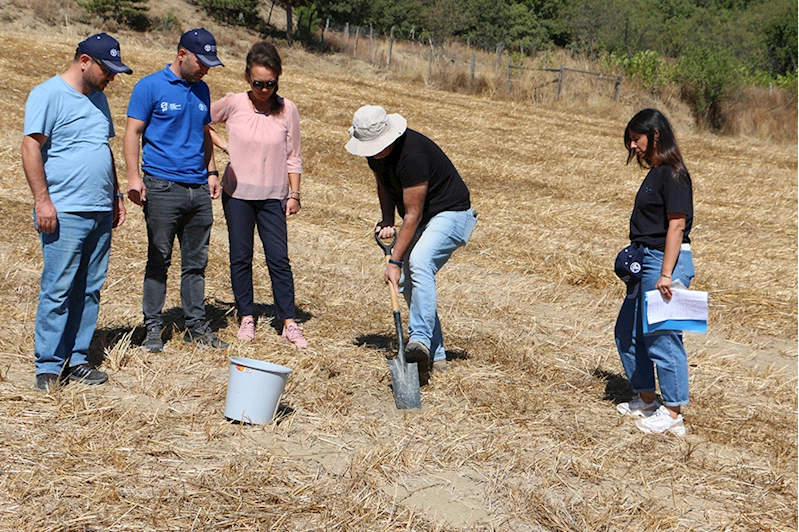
[617,87]
[510,69]
[471,72]
[371,37]
[390,45]
[430,66]
[560,82]
[347,31]
[500,49]
[324,31]
[289,25]
[357,34]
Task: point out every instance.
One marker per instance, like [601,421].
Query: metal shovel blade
[404,376]
[405,381]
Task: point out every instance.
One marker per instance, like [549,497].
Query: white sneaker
[661,422]
[638,408]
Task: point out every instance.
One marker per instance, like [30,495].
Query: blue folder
[699,326]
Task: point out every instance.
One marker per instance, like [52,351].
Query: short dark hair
[264,54]
[664,148]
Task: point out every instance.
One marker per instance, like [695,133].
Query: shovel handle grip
[387,248]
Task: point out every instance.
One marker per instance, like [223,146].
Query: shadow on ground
[220,314]
[617,387]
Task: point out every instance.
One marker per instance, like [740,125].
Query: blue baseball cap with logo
[201,43]
[105,49]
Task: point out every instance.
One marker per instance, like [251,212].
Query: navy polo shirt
[175,113]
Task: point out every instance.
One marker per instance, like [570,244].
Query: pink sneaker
[247,329]
[293,335]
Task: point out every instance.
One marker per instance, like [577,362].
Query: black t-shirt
[659,195]
[414,160]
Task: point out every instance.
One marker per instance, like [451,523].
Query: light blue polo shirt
[77,160]
[174,113]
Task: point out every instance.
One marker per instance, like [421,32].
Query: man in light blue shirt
[70,170]
[168,116]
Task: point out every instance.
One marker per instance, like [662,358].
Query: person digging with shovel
[415,178]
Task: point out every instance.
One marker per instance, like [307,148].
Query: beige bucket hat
[373,130]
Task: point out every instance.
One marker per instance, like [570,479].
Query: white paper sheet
[684,305]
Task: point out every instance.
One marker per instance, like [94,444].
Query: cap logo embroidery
[114,52]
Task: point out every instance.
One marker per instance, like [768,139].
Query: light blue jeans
[432,246]
[639,352]
[75,266]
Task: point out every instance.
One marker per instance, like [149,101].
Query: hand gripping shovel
[404,376]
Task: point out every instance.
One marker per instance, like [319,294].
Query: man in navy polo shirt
[168,115]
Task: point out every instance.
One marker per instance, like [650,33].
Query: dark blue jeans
[270,216]
[176,209]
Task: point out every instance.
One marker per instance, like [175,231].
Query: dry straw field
[521,434]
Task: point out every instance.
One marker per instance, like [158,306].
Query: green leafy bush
[131,13]
[709,76]
[647,67]
[240,12]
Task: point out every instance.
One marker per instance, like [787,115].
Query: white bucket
[253,390]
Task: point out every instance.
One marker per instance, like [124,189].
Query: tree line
[709,47]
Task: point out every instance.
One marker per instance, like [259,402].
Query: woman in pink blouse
[261,185]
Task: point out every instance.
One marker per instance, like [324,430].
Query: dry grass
[520,434]
[766,114]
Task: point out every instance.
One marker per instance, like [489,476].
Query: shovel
[404,376]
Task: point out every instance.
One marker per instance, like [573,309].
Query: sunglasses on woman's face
[261,85]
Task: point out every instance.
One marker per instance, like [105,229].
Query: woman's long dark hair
[264,54]
[661,144]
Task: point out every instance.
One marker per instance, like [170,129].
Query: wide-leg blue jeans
[641,353]
[75,266]
[433,245]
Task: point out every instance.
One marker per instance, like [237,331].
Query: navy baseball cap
[105,49]
[201,43]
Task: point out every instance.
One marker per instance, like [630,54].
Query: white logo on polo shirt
[202,107]
[166,106]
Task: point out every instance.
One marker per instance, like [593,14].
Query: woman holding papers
[660,223]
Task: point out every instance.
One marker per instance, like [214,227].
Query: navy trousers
[269,216]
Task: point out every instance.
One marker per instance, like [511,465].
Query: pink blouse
[263,148]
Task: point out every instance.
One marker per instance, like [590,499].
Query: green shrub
[240,12]
[647,67]
[131,13]
[709,76]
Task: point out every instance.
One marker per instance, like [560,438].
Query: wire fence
[377,48]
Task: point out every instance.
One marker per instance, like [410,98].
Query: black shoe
[87,375]
[204,336]
[46,382]
[419,353]
[153,342]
